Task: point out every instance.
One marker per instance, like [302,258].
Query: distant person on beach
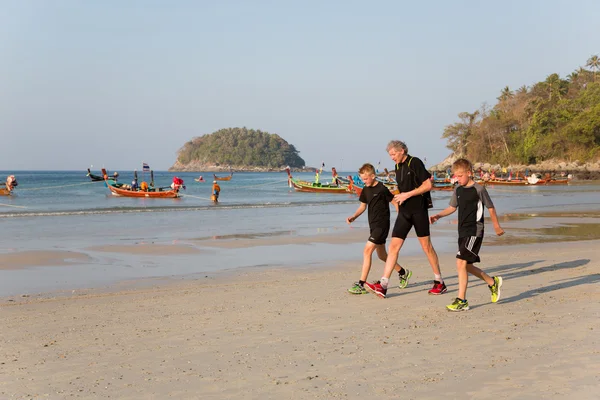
[375,197]
[414,184]
[216,189]
[469,198]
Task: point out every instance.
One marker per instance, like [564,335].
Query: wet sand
[281,333]
[32,258]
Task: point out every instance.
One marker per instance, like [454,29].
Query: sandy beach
[297,334]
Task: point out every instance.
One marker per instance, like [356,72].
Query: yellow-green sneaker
[357,288]
[404,278]
[495,288]
[458,305]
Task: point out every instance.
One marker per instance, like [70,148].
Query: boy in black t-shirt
[470,197]
[376,197]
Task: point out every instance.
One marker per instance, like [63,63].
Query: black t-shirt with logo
[470,201]
[377,198]
[410,177]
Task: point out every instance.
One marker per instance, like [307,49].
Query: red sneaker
[438,288]
[376,288]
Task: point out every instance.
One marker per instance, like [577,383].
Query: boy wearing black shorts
[470,198]
[376,197]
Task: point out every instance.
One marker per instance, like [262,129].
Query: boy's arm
[361,209]
[449,210]
[494,217]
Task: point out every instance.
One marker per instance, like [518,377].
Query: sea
[66,211]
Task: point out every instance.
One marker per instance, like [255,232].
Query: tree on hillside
[594,63]
[241,147]
[553,118]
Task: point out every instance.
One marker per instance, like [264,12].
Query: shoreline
[296,333]
[87,266]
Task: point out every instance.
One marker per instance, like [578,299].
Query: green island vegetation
[241,147]
[553,119]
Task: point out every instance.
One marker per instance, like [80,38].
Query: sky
[115,83]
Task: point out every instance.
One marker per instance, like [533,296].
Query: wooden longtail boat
[357,189]
[99,178]
[118,189]
[5,192]
[223,178]
[304,186]
[532,180]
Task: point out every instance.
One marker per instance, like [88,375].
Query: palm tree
[522,90]
[505,94]
[594,63]
[572,77]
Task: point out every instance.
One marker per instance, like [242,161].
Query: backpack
[427,195]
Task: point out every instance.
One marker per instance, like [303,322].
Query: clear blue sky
[118,82]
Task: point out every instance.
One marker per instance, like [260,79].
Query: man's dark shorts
[468,249]
[405,221]
[379,234]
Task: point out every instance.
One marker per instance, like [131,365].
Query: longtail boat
[99,178]
[223,178]
[11,183]
[305,186]
[531,180]
[357,189]
[443,186]
[144,191]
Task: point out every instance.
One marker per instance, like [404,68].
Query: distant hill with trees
[238,149]
[555,119]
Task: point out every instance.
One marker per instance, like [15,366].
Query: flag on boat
[145,167]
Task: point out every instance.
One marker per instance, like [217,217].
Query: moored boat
[305,186]
[223,178]
[144,190]
[100,178]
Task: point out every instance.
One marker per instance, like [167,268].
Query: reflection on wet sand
[151,249]
[326,236]
[565,232]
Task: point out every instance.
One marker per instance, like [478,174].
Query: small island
[238,149]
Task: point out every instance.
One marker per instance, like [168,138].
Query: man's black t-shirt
[377,198]
[410,177]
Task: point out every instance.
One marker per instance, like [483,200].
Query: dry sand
[297,334]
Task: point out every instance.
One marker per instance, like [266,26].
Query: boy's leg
[480,274]
[367,255]
[494,282]
[461,303]
[463,278]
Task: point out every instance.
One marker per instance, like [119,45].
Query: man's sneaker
[495,288]
[458,305]
[404,278]
[376,288]
[357,289]
[438,288]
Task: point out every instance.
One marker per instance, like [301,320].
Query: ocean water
[64,210]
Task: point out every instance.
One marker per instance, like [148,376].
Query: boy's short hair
[367,169]
[398,145]
[462,163]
